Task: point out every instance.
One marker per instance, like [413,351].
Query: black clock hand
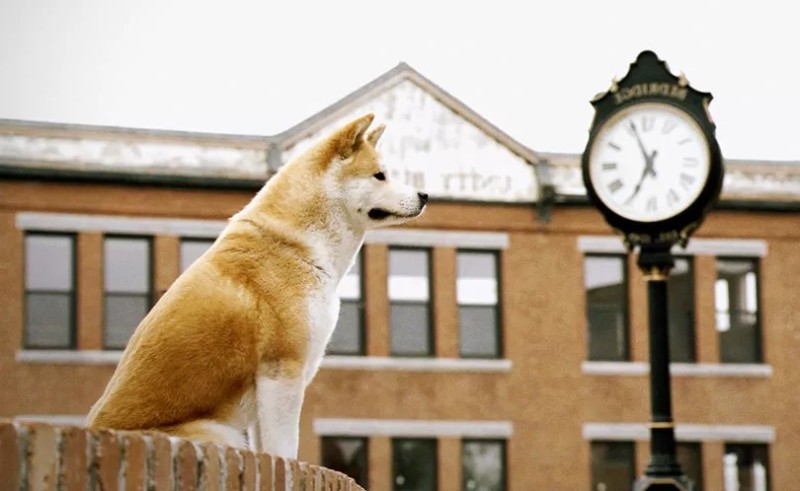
[648,169]
[639,140]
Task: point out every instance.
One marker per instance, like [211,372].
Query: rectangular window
[746,467]
[347,455]
[690,458]
[191,250]
[606,281]
[484,465]
[414,464]
[613,466]
[127,285]
[477,294]
[49,291]
[409,302]
[348,337]
[736,301]
[680,297]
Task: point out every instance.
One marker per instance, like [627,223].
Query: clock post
[653,168]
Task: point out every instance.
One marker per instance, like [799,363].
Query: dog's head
[357,181]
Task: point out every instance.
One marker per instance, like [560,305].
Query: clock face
[649,162]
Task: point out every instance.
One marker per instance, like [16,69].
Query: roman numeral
[684,141]
[690,162]
[672,198]
[609,165]
[615,185]
[647,123]
[686,180]
[669,125]
[651,204]
[614,146]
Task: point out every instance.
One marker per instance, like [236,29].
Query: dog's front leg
[279,403]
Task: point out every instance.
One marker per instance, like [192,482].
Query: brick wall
[44,457]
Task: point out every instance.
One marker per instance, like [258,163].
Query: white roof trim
[438,238]
[413,428]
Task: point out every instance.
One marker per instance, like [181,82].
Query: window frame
[363,439]
[630,443]
[434,441]
[431,335]
[181,241]
[361,309]
[150,294]
[759,347]
[498,314]
[625,302]
[503,459]
[73,293]
[693,302]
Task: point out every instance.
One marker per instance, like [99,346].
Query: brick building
[497,343]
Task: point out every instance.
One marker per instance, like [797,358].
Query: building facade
[499,342]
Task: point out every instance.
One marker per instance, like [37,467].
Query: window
[484,465]
[409,298]
[690,458]
[346,455]
[127,280]
[613,467]
[192,249]
[478,313]
[414,464]
[49,291]
[680,297]
[348,337]
[606,280]
[736,300]
[746,467]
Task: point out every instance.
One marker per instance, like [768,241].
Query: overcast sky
[258,67]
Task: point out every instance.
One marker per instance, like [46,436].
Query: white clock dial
[649,162]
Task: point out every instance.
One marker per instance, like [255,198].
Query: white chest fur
[323,312]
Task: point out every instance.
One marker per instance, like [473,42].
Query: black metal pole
[663,472]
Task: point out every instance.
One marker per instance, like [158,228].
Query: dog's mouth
[379,213]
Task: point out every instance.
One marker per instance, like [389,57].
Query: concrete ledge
[416,364]
[638,368]
[683,432]
[69,357]
[413,428]
[610,244]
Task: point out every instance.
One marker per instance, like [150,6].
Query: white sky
[258,67]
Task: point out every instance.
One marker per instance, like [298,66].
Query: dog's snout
[423,197]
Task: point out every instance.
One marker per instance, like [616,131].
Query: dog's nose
[423,197]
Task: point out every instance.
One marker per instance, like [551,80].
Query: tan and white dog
[237,338]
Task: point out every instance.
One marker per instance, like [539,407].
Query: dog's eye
[379,176]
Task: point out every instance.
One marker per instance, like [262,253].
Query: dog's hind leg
[206,430]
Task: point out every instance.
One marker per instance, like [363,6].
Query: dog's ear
[375,135]
[351,135]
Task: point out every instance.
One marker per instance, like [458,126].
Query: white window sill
[635,368]
[86,357]
[416,364]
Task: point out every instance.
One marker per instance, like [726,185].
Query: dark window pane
[410,329]
[612,466]
[606,303]
[483,465]
[49,263]
[123,314]
[690,458]
[736,299]
[414,464]
[347,337]
[346,455]
[191,250]
[680,294]
[746,467]
[48,320]
[478,336]
[127,265]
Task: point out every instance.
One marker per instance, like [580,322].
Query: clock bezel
[676,227]
[626,112]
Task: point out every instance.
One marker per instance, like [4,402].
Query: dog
[235,341]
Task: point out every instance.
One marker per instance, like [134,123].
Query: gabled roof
[396,75]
